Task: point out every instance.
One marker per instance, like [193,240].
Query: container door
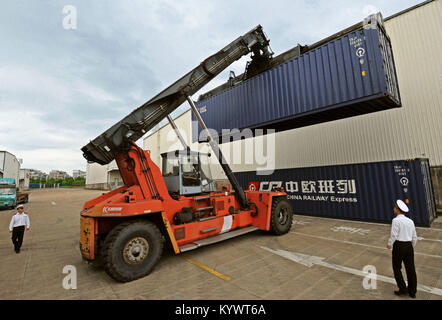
[429,194]
[388,65]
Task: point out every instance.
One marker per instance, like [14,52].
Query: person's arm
[11,224]
[28,223]
[394,233]
[414,236]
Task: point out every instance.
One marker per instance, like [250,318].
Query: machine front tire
[281,216]
[131,250]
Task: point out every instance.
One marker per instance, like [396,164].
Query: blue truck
[10,196]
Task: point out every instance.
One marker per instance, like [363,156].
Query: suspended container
[364,192]
[348,74]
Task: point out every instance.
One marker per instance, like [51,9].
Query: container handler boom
[125,229]
[116,140]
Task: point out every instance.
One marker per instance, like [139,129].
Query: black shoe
[400,293]
[17,251]
[412,296]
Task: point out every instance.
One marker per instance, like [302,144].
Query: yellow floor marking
[202,266]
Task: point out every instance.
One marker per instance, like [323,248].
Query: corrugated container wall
[347,76]
[345,192]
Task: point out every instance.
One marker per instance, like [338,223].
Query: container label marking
[356,41]
[360,52]
[404,181]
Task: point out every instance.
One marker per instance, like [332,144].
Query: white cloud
[27,130]
[95,93]
[66,159]
[17,79]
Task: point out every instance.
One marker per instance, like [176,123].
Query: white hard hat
[19,206]
[402,206]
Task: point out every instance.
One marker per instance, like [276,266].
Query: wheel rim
[135,251]
[283,216]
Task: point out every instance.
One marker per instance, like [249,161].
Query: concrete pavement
[255,273]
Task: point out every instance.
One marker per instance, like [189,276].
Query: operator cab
[183,174]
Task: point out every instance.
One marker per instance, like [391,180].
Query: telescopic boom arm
[118,139]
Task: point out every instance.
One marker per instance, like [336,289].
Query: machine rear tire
[281,216]
[131,250]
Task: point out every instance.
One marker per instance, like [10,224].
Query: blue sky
[60,88]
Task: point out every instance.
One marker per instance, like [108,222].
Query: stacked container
[365,191]
[348,74]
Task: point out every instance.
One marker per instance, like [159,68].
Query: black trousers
[403,252]
[17,236]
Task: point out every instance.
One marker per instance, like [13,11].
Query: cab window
[191,171]
[170,167]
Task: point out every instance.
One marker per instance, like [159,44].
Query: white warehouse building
[413,131]
[9,166]
[25,176]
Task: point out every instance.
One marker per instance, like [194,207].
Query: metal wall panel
[10,166]
[25,175]
[2,161]
[161,140]
[164,139]
[365,192]
[416,38]
[96,173]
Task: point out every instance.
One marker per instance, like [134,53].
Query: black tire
[119,252]
[281,216]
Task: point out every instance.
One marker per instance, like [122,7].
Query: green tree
[79,181]
[67,182]
[50,182]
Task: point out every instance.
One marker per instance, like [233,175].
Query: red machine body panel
[148,195]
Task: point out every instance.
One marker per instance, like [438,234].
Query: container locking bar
[239,192]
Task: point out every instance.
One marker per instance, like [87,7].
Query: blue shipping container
[365,192]
[349,75]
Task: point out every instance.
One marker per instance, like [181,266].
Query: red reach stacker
[126,229]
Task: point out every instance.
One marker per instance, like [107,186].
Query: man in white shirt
[17,227]
[403,238]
